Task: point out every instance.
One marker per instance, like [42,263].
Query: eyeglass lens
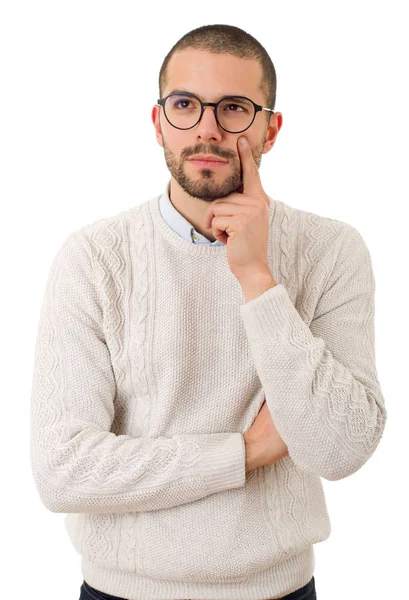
[234,114]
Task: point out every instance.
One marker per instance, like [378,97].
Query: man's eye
[232,104]
[176,104]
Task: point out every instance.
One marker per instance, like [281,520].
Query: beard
[207,184]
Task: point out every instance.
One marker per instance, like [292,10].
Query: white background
[78,82]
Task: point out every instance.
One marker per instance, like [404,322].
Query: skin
[210,76]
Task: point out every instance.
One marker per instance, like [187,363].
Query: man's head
[211,62]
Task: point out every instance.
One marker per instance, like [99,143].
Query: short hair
[227,39]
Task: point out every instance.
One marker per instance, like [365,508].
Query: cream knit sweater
[149,366]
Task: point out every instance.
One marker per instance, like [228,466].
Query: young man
[205,357]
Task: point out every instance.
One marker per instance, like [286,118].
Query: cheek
[177,143]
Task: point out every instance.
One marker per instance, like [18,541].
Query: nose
[207,126]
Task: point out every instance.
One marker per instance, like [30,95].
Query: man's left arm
[320,381]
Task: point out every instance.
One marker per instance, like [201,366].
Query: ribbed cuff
[272,315]
[224,461]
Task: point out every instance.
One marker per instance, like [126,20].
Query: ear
[274,127]
[156,123]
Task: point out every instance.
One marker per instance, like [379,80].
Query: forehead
[212,76]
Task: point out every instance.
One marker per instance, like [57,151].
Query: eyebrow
[235,97]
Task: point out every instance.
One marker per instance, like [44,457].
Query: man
[205,357]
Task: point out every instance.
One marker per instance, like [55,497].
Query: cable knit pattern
[149,366]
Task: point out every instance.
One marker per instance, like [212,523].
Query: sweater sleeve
[78,464]
[320,382]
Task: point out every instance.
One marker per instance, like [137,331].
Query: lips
[208,164]
[207,159]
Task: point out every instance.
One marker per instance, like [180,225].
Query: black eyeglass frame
[257,108]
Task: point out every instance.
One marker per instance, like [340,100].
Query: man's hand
[264,445]
[241,221]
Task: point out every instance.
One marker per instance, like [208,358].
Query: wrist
[256,284]
[251,459]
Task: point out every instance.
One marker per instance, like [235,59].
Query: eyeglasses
[234,114]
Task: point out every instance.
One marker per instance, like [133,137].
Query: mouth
[201,162]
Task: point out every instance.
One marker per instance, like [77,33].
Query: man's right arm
[78,464]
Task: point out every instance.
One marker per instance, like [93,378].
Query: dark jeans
[307,592]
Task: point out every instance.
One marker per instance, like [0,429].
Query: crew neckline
[180,242]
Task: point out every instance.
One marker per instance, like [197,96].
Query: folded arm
[320,382]
[78,464]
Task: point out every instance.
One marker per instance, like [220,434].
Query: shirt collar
[178,223]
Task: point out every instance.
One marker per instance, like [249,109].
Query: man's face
[211,76]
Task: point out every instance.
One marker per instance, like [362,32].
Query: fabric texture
[149,366]
[307,592]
